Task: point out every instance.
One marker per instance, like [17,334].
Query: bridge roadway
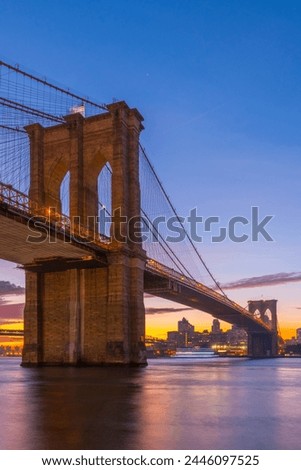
[17,333]
[164,282]
[71,247]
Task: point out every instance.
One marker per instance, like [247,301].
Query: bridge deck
[159,281]
[51,234]
[64,250]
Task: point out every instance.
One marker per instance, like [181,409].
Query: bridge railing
[21,204]
[158,268]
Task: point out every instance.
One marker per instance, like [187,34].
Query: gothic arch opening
[257,313]
[65,194]
[267,317]
[104,190]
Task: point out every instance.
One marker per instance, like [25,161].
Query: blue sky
[218,84]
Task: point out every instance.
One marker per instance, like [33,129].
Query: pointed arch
[65,194]
[256,313]
[104,189]
[267,317]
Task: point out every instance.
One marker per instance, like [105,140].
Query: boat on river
[195,353]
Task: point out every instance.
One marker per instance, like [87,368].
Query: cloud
[155,310]
[12,322]
[11,312]
[267,280]
[7,287]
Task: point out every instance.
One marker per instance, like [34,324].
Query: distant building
[185,327]
[216,327]
[172,336]
[292,347]
[230,342]
[291,342]
[184,336]
[185,333]
[236,335]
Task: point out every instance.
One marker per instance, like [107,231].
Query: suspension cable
[28,110]
[180,222]
[14,129]
[51,85]
[152,227]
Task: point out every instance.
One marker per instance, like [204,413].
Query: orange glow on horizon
[12,326]
[158,325]
[157,331]
[11,340]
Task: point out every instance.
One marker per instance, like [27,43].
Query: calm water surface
[172,404]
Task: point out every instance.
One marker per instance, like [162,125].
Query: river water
[188,404]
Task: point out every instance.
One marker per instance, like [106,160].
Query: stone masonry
[88,316]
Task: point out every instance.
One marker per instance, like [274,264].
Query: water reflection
[172,404]
[68,408]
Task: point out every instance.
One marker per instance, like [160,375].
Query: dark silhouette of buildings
[232,341]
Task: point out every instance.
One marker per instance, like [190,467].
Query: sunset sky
[218,84]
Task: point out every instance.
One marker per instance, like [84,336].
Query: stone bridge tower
[87,315]
[262,345]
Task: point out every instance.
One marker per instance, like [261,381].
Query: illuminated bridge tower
[88,312]
[260,344]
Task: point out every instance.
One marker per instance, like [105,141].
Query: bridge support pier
[86,316]
[89,316]
[261,345]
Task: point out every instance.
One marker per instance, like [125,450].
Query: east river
[215,403]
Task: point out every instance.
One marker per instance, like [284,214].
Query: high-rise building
[298,335]
[185,327]
[185,333]
[236,335]
[216,327]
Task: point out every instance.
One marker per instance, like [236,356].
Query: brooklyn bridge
[84,213]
